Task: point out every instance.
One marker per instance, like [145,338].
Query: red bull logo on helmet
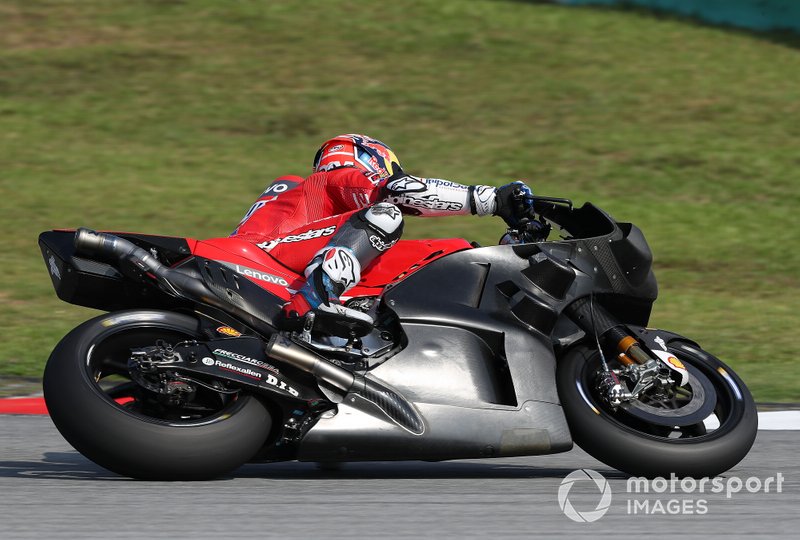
[369,155]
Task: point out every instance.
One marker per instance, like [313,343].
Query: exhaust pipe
[389,401]
[95,243]
[174,282]
[286,350]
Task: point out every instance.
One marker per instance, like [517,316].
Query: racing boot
[331,272]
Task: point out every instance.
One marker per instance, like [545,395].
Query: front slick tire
[125,439]
[650,451]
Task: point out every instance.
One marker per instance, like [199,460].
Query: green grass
[170,117]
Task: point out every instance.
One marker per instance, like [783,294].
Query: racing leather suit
[334,223]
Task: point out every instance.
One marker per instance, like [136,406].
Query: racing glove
[513,202]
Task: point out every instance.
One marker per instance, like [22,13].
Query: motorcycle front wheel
[125,428]
[703,430]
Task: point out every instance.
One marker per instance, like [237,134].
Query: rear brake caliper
[147,369]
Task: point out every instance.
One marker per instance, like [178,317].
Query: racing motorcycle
[476,352]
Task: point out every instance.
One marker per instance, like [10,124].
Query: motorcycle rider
[334,223]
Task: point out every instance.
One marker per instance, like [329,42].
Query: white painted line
[776,420]
[770,420]
[767,421]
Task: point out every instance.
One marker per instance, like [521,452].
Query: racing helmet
[370,156]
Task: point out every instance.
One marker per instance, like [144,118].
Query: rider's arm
[347,189]
[434,197]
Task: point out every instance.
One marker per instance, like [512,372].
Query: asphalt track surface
[48,490]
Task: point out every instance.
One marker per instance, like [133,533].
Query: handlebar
[539,200]
[530,228]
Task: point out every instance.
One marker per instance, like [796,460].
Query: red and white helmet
[371,156]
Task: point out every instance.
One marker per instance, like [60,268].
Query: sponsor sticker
[430,202]
[336,165]
[675,362]
[386,209]
[379,244]
[271,379]
[228,331]
[227,366]
[54,271]
[307,235]
[276,382]
[279,187]
[406,184]
[246,359]
[257,274]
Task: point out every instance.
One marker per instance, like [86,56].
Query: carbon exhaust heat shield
[388,401]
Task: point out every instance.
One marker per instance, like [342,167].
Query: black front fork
[596,320]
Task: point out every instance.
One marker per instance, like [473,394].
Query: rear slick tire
[128,442]
[606,436]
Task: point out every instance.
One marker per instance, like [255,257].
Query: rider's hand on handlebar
[514,203]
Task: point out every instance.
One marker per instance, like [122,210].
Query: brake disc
[698,408]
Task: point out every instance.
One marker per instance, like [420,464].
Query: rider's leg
[336,268]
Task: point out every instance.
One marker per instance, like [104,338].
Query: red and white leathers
[334,223]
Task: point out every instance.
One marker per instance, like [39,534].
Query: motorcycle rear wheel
[640,449]
[111,423]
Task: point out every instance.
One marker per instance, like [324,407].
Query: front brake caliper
[613,389]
